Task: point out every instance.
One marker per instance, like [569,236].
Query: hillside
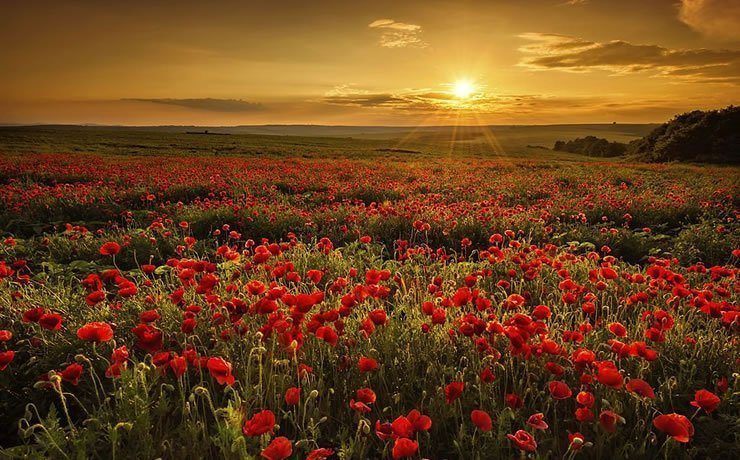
[708,137]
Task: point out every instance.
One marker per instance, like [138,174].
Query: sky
[400,62]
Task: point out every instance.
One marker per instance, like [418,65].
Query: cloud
[442,103]
[394,34]
[208,104]
[563,52]
[716,18]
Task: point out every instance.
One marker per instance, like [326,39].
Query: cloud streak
[394,34]
[444,104]
[573,54]
[207,104]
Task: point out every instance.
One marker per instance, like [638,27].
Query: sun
[463,89]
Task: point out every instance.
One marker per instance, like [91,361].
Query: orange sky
[365,63]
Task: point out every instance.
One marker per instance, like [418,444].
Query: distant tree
[703,136]
[592,146]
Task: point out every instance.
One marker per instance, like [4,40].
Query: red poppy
[482,420]
[111,248]
[402,427]
[149,338]
[419,421]
[95,332]
[367,364]
[641,388]
[559,390]
[676,426]
[453,391]
[220,370]
[523,440]
[292,396]
[537,421]
[404,448]
[72,373]
[51,321]
[609,375]
[513,400]
[609,420]
[618,329]
[6,357]
[262,422]
[320,454]
[179,366]
[366,395]
[279,449]
[706,400]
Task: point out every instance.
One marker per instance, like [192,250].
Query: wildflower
[95,332]
[706,400]
[481,420]
[262,422]
[279,449]
[220,370]
[523,441]
[676,426]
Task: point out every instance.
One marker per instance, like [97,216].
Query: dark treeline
[592,146]
[702,136]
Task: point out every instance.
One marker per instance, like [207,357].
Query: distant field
[317,141]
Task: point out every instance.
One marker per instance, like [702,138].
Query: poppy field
[201,306]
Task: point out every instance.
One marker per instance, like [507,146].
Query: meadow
[176,296]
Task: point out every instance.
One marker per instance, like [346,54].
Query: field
[364,295]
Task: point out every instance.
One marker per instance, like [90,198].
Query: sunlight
[463,89]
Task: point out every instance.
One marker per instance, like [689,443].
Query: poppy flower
[279,449]
[641,388]
[676,426]
[149,338]
[111,248]
[453,391]
[584,414]
[72,373]
[537,421]
[523,440]
[706,400]
[419,421]
[292,396]
[609,375]
[179,365]
[320,454]
[51,321]
[481,420]
[404,448]
[513,400]
[367,364]
[95,332]
[6,357]
[402,427]
[559,390]
[609,420]
[220,370]
[366,395]
[262,422]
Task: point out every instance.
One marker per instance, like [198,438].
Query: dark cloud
[209,104]
[563,52]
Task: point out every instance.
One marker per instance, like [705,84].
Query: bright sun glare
[463,89]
